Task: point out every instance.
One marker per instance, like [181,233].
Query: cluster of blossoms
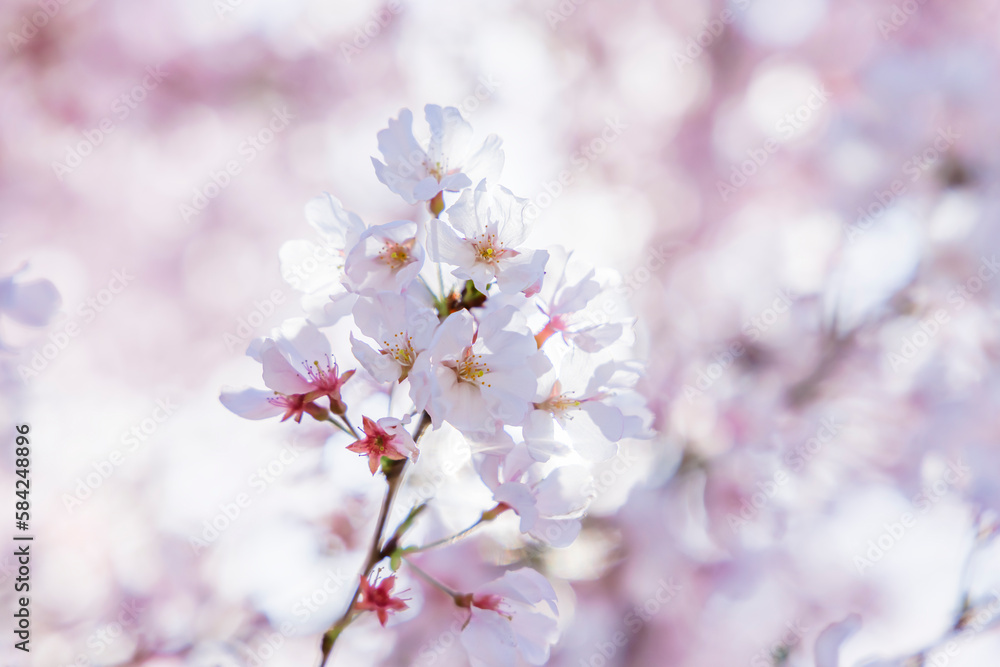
[453,321]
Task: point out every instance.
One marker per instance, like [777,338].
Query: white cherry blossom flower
[513,616]
[579,406]
[402,328]
[569,304]
[317,269]
[485,240]
[448,161]
[478,375]
[386,258]
[549,507]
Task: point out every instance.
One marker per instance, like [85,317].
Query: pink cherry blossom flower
[401,326]
[478,375]
[585,402]
[549,507]
[448,161]
[387,437]
[485,240]
[298,369]
[380,599]
[513,616]
[386,258]
[570,301]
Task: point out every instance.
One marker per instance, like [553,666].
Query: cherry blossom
[298,369]
[513,616]
[401,326]
[380,599]
[575,304]
[449,161]
[582,404]
[525,409]
[478,375]
[317,269]
[387,437]
[386,258]
[549,506]
[484,239]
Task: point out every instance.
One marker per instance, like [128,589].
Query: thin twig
[394,478]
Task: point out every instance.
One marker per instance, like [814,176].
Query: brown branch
[394,477]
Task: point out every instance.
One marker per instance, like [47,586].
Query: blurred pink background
[794,190]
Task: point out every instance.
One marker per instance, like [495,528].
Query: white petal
[586,435]
[381,366]
[250,403]
[539,436]
[450,135]
[487,162]
[302,343]
[829,640]
[490,640]
[307,266]
[455,182]
[536,633]
[328,217]
[559,533]
[426,189]
[521,500]
[279,374]
[522,271]
[564,492]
